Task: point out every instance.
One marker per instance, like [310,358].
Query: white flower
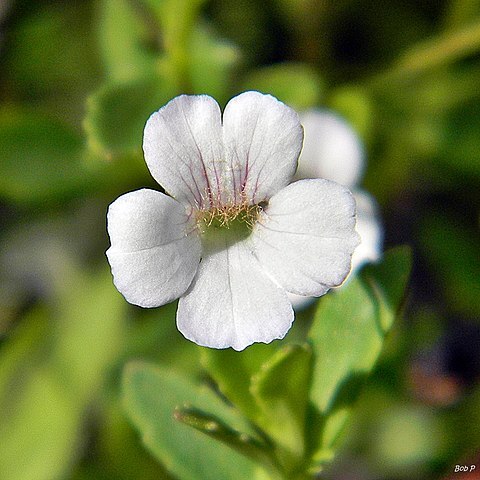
[233,236]
[333,150]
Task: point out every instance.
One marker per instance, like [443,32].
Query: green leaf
[39,416]
[52,49]
[151,395]
[347,337]
[461,12]
[244,444]
[123,35]
[388,281]
[295,84]
[212,61]
[117,113]
[281,390]
[90,313]
[51,369]
[233,371]
[20,352]
[51,61]
[123,456]
[40,435]
[41,159]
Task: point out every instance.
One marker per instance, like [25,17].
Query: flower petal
[232,302]
[306,236]
[183,149]
[371,232]
[155,249]
[331,149]
[263,138]
[370,229]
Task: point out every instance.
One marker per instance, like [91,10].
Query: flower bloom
[333,150]
[232,236]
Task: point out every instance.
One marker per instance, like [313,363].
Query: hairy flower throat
[226,216]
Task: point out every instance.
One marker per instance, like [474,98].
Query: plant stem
[436,52]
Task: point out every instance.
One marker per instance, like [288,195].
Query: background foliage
[77,82]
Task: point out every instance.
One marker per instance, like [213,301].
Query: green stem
[460,12]
[439,51]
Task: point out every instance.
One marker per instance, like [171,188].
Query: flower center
[225,216]
[233,220]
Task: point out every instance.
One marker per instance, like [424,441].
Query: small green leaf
[117,113]
[281,390]
[151,395]
[347,337]
[388,281]
[295,84]
[241,442]
[123,35]
[233,371]
[41,158]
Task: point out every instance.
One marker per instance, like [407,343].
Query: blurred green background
[78,81]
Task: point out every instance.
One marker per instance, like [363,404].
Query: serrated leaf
[347,337]
[283,81]
[151,394]
[281,390]
[232,371]
[41,158]
[117,113]
[123,35]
